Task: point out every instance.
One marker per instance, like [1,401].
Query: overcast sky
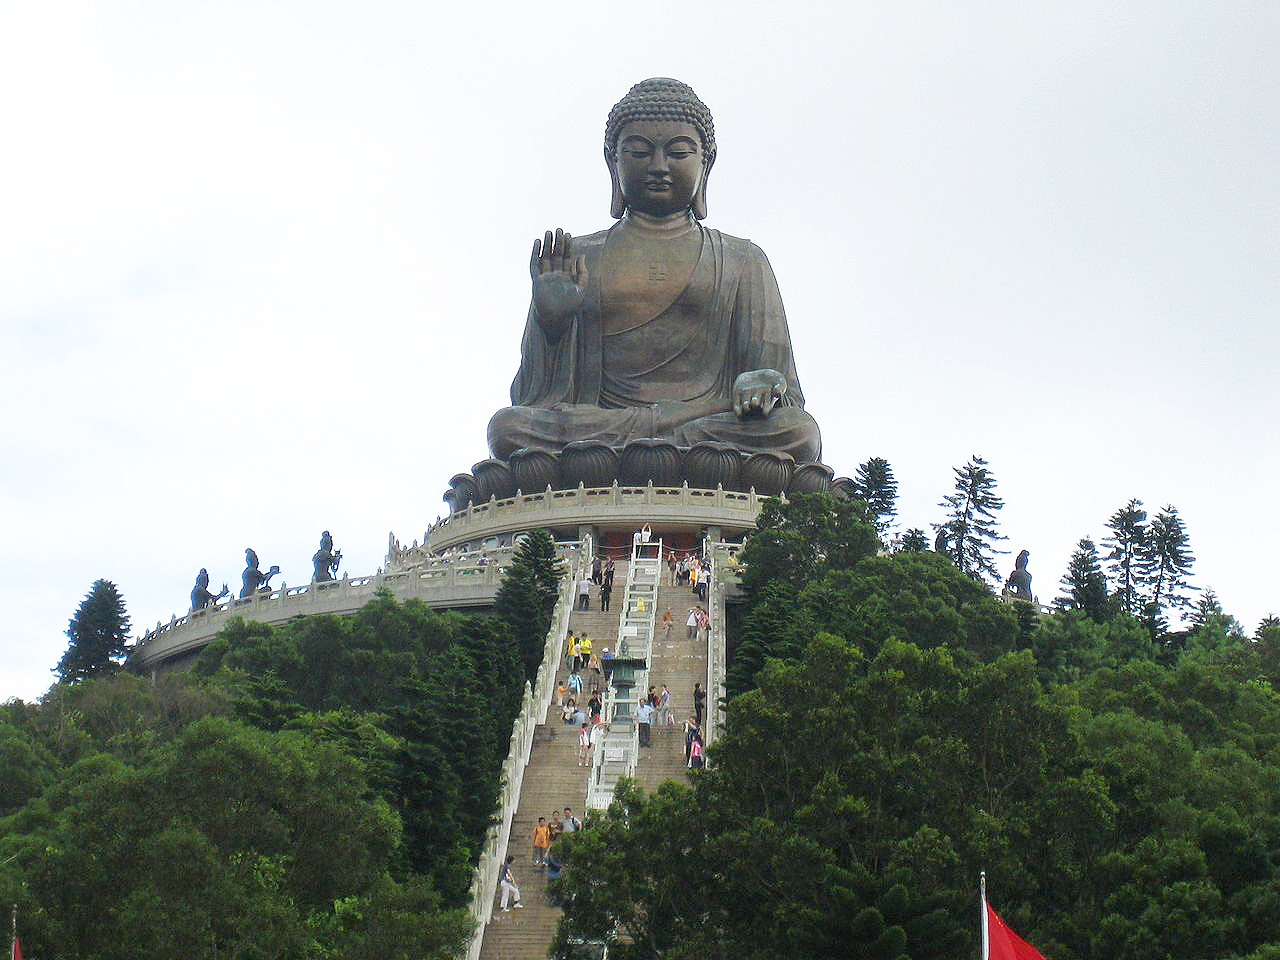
[263,266]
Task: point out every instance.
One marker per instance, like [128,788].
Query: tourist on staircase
[695,753]
[644,717]
[664,707]
[691,730]
[507,884]
[541,842]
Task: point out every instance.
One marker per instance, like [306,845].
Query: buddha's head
[659,144]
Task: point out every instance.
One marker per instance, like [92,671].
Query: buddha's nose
[658,162]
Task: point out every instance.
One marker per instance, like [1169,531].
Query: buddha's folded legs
[785,429]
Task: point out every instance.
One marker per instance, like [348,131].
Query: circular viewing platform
[613,508]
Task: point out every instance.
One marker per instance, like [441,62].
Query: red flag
[1001,943]
[17,950]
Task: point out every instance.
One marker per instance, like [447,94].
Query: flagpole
[982,910]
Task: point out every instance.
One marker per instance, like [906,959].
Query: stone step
[552,781]
[678,663]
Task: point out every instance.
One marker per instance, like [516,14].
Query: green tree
[98,631]
[875,485]
[1207,606]
[970,525]
[795,541]
[1126,546]
[1086,587]
[1165,564]
[527,596]
[914,541]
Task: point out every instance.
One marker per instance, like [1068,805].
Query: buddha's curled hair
[662,98]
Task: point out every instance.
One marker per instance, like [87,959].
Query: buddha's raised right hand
[559,281]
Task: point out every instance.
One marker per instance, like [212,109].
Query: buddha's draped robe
[670,377]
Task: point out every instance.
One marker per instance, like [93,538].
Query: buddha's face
[659,165]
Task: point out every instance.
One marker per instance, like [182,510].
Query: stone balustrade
[533,710]
[594,505]
[465,580]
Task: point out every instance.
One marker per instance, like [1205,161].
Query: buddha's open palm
[559,277]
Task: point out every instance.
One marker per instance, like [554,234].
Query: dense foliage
[314,790]
[905,730]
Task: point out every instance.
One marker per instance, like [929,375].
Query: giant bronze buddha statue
[658,326]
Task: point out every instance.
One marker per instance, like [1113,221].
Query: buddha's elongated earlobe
[699,204]
[617,202]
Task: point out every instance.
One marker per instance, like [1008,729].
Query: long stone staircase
[679,663]
[552,781]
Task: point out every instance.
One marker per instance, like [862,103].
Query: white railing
[533,711]
[724,570]
[619,752]
[587,504]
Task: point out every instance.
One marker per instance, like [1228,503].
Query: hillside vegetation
[319,789]
[894,729]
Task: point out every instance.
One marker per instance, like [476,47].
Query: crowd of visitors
[602,578]
[690,569]
[545,834]
[585,712]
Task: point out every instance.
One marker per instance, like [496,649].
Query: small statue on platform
[200,595]
[254,580]
[1018,585]
[326,560]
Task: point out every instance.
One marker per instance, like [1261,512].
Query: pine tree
[527,596]
[1269,622]
[1086,586]
[98,634]
[1207,606]
[875,484]
[971,525]
[1126,546]
[1165,564]
[914,541]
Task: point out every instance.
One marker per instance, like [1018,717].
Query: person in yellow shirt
[541,842]
[584,650]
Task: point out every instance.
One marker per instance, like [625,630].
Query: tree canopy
[901,729]
[316,789]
